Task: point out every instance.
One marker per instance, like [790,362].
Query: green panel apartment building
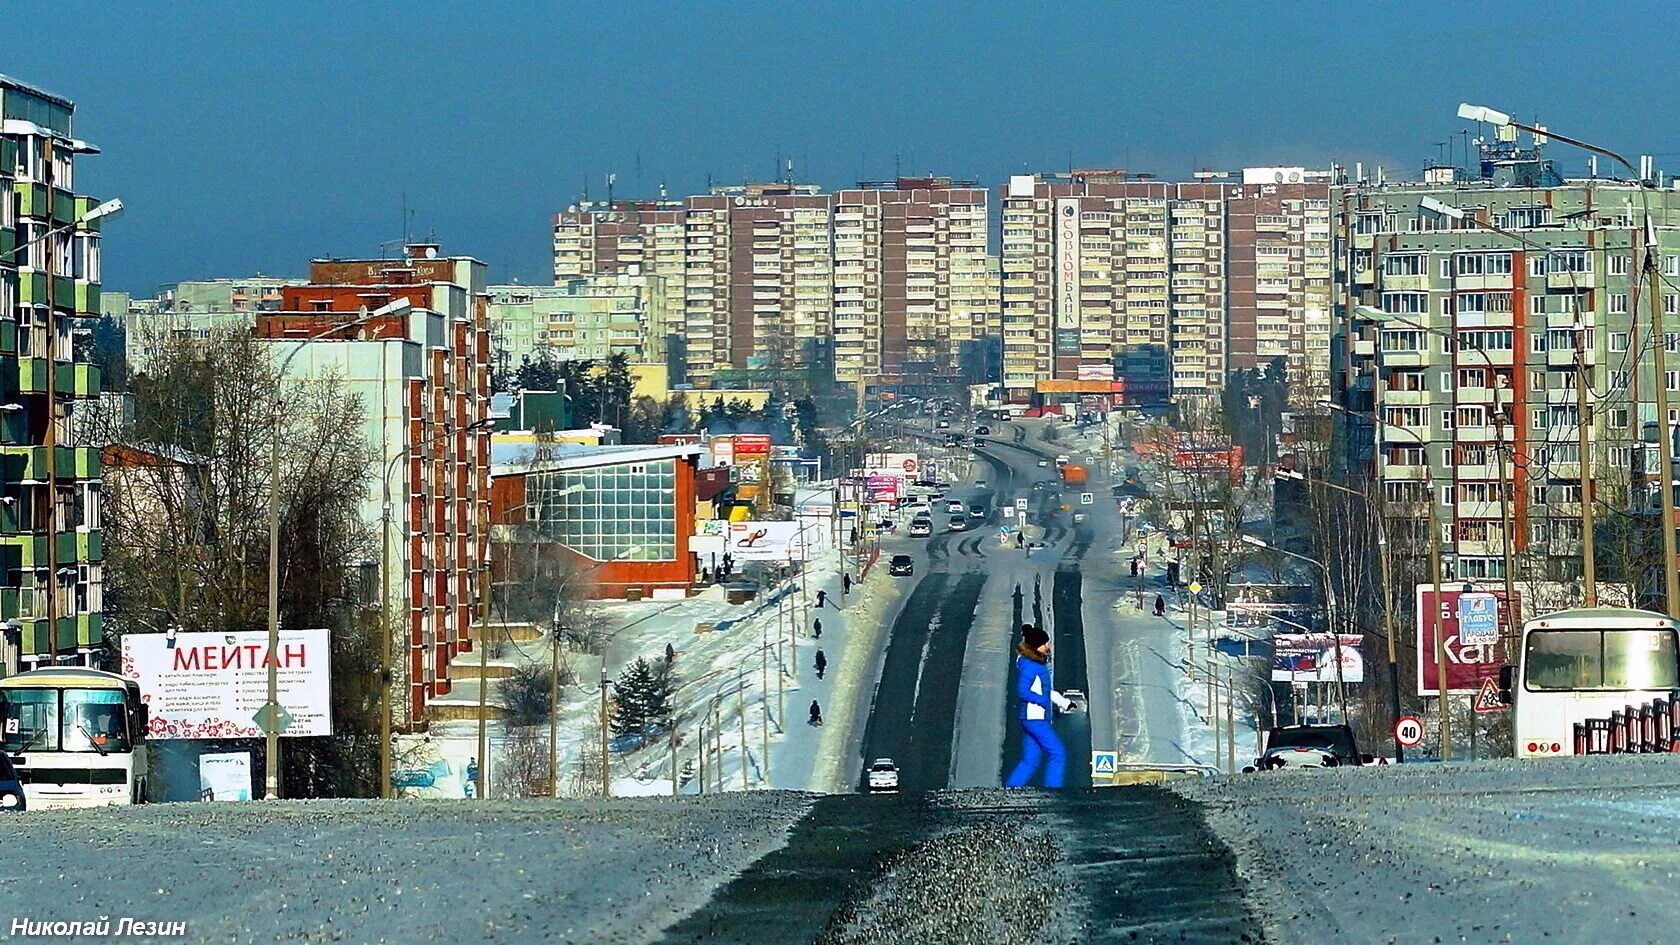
[50,555]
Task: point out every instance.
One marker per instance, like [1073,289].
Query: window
[1469,264]
[1472,377]
[1537,305]
[1404,264]
[1406,339]
[1618,380]
[1565,660]
[1569,261]
[1618,417]
[1446,419]
[1472,415]
[1517,218]
[625,511]
[1671,304]
[1536,380]
[1618,265]
[1405,303]
[1446,268]
[1537,343]
[1498,264]
[1618,303]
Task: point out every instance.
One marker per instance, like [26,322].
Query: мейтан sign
[212,685]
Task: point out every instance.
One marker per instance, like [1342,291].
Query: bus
[76,736]
[1579,664]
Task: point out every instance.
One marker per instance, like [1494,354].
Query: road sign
[1478,619]
[1086,498]
[1408,731]
[1195,587]
[1021,504]
[272,718]
[909,464]
[1104,763]
[1488,698]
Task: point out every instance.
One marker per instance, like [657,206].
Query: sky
[248,137]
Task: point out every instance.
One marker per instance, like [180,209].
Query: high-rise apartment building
[197,309]
[581,318]
[50,555]
[1278,277]
[423,378]
[913,296]
[1107,279]
[1472,369]
[751,265]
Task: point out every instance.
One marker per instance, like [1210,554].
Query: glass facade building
[625,511]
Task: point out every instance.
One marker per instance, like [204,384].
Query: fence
[1647,728]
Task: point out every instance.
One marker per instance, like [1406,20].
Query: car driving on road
[921,527]
[901,566]
[977,510]
[1309,746]
[982,431]
[959,523]
[883,776]
[11,789]
[954,507]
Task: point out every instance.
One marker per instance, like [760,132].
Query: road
[1577,851]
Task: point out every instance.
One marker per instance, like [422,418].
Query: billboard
[1097,372]
[1067,265]
[764,541]
[907,465]
[1257,609]
[1468,664]
[752,444]
[1311,658]
[883,488]
[210,685]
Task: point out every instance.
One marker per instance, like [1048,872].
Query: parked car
[883,776]
[959,523]
[921,527]
[1078,518]
[1309,746]
[1063,459]
[901,566]
[11,789]
[1036,545]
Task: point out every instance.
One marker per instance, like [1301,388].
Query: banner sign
[224,777]
[210,685]
[764,541]
[1067,264]
[1304,658]
[1468,663]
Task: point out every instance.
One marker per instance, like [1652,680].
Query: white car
[954,507]
[1043,462]
[979,483]
[883,776]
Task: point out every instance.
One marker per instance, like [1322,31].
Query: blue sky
[252,136]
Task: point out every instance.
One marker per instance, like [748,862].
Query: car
[1309,746]
[955,507]
[977,510]
[982,431]
[959,523]
[901,566]
[980,484]
[12,799]
[1063,459]
[1036,545]
[936,498]
[942,425]
[883,776]
[921,527]
[1078,517]
[1067,417]
[1043,463]
[1040,486]
[886,525]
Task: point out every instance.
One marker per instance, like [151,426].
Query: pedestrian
[471,787]
[816,629]
[822,664]
[822,598]
[1160,606]
[670,654]
[1039,702]
[816,713]
[846,583]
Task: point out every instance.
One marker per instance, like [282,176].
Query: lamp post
[554,676]
[271,709]
[1330,602]
[1653,276]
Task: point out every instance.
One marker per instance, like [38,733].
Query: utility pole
[1583,426]
[1230,721]
[741,711]
[675,775]
[554,704]
[705,749]
[483,644]
[764,704]
[1665,430]
[1440,641]
[606,729]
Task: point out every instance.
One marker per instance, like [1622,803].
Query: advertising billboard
[1468,664]
[1311,658]
[1261,609]
[1067,264]
[210,685]
[764,541]
[906,465]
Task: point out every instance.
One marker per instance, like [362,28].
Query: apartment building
[581,318]
[195,310]
[914,292]
[1113,281]
[751,267]
[1278,277]
[423,378]
[50,553]
[1489,282]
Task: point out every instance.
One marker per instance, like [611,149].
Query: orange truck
[1074,474]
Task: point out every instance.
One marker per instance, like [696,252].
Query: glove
[1061,702]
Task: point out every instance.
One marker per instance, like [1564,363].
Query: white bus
[1584,664]
[76,736]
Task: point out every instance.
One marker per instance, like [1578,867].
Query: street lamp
[271,709]
[1330,602]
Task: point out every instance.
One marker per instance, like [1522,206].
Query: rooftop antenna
[898,165]
[661,190]
[586,188]
[611,180]
[638,170]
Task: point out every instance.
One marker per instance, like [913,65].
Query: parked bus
[1579,664]
[76,736]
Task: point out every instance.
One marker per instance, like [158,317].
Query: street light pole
[1330,603]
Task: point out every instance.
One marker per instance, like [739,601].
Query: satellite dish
[431,252]
[1278,176]
[1294,177]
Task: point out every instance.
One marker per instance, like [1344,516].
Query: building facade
[581,318]
[1483,288]
[913,291]
[423,378]
[50,554]
[196,310]
[1278,277]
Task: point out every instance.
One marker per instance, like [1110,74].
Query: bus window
[1639,659]
[29,720]
[1560,660]
[94,721]
[1565,660]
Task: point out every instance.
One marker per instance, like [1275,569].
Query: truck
[1074,474]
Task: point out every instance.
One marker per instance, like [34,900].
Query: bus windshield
[73,720]
[1608,660]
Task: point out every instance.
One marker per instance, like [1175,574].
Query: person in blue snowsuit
[1039,702]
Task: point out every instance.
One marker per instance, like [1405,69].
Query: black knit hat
[1033,636]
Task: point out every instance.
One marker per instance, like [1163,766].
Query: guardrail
[1647,728]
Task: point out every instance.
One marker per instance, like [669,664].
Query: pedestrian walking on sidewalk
[1039,702]
[822,664]
[1160,606]
[846,583]
[816,629]
[822,598]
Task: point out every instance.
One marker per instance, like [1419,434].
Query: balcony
[1406,398]
[1565,357]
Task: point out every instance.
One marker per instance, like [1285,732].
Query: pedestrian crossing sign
[1104,763]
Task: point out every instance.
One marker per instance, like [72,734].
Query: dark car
[901,565]
[1310,746]
[976,510]
[982,431]
[11,789]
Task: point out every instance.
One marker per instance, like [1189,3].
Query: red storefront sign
[1467,665]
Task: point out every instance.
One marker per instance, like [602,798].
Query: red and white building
[422,375]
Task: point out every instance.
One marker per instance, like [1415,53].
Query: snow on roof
[516,458]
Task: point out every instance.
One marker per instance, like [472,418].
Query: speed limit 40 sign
[1408,731]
